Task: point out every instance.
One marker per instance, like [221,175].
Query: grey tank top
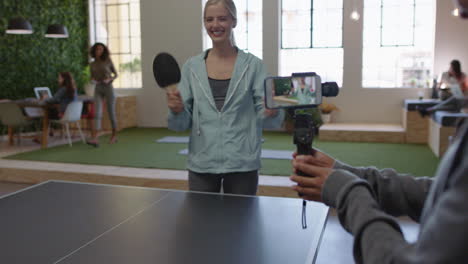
[219,90]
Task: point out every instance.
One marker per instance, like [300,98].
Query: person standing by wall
[103,73]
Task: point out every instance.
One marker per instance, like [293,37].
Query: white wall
[451,38]
[175,26]
[171,26]
[364,105]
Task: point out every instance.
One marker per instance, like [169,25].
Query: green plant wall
[28,61]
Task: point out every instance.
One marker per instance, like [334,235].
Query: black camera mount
[304,131]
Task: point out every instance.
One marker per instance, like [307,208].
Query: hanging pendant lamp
[19,25]
[56,31]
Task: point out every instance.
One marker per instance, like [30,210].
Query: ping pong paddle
[166,71]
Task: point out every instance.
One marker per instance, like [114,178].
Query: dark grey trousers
[235,183]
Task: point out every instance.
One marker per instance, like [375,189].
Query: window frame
[101,8]
[419,83]
[118,21]
[382,26]
[311,38]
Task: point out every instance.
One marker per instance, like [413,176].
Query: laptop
[42,93]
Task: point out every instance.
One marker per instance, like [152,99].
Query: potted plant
[326,109]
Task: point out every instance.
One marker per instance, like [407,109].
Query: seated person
[66,94]
[454,103]
[453,76]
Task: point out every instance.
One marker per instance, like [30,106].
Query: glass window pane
[112,13]
[100,13]
[296,24]
[296,20]
[402,27]
[296,39]
[295,5]
[327,27]
[328,63]
[400,54]
[113,29]
[298,54]
[123,12]
[135,28]
[117,24]
[241,39]
[136,45]
[135,10]
[124,30]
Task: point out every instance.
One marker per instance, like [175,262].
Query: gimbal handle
[303,134]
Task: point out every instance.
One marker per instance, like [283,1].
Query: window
[397,32]
[117,24]
[248,33]
[398,52]
[311,38]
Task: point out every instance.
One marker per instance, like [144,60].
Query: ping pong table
[70,222]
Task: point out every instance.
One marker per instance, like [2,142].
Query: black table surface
[64,222]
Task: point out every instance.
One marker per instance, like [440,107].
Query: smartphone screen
[301,90]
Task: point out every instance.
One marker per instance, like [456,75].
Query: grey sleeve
[58,97]
[357,209]
[378,238]
[442,238]
[397,194]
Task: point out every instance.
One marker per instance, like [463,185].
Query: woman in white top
[453,76]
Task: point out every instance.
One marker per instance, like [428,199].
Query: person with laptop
[368,199]
[58,103]
[66,94]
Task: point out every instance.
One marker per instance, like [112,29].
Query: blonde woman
[220,98]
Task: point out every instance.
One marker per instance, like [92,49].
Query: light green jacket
[228,140]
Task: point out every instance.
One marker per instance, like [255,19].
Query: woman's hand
[108,80]
[317,167]
[174,100]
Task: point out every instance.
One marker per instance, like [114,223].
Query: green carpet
[137,148]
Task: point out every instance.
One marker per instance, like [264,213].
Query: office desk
[45,119]
[34,103]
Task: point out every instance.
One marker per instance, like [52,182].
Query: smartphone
[301,90]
